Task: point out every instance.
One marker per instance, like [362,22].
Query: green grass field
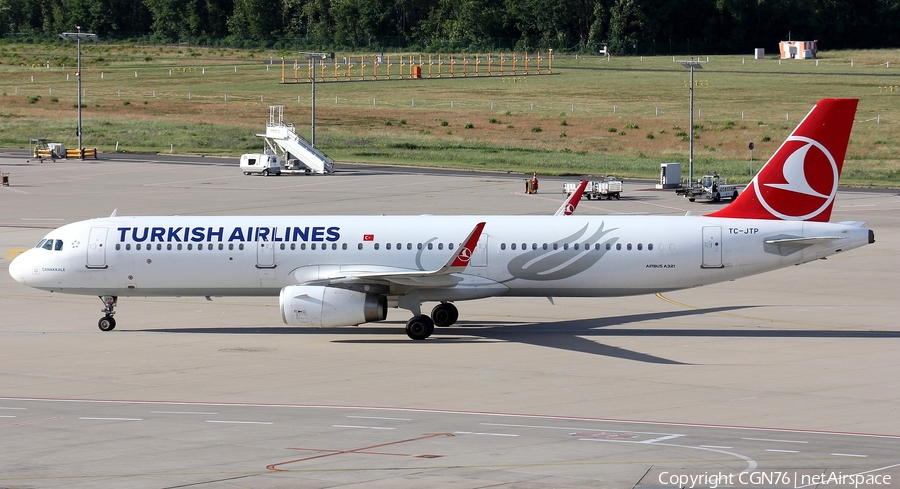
[623,116]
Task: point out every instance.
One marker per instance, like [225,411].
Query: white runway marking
[112,419]
[7,416]
[715,446]
[782,451]
[361,427]
[238,422]
[208,413]
[16,408]
[478,433]
[848,455]
[377,417]
[778,441]
[662,438]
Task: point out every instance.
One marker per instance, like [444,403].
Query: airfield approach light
[314,58]
[78,36]
[691,65]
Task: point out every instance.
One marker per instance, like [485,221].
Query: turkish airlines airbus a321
[347,270]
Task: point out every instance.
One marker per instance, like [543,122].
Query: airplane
[331,271]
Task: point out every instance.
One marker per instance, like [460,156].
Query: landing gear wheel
[444,314]
[106,323]
[419,327]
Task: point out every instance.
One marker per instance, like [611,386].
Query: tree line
[626,26]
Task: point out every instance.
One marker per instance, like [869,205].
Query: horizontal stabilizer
[803,241]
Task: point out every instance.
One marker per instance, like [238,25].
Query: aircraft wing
[442,277]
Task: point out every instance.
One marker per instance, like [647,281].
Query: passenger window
[565,246]
[302,246]
[512,246]
[450,246]
[230,246]
[502,246]
[608,246]
[629,247]
[179,247]
[190,246]
[545,246]
[158,247]
[534,246]
[419,246]
[359,246]
[376,246]
[399,246]
[221,247]
[118,246]
[555,246]
[430,246]
[127,246]
[312,246]
[618,246]
[282,246]
[409,246]
[440,246]
[209,247]
[343,246]
[293,246]
[387,246]
[169,246]
[241,246]
[575,246]
[333,246]
[640,246]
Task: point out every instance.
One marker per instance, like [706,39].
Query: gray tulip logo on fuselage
[564,261]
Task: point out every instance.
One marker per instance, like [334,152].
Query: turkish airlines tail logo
[800,180]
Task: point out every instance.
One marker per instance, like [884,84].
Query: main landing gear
[422,326]
[107,323]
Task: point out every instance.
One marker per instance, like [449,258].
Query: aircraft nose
[18,267]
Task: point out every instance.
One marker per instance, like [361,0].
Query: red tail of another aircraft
[800,180]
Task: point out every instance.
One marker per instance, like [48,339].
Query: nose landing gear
[107,323]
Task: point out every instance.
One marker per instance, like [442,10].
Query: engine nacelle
[304,305]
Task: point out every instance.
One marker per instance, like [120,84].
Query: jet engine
[303,305]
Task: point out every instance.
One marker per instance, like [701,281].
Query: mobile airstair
[297,153]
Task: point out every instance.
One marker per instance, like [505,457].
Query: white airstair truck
[295,153]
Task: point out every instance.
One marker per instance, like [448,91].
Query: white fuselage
[578,256]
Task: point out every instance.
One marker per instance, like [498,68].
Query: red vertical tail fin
[800,180]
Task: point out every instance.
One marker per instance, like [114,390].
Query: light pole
[691,65]
[78,36]
[314,57]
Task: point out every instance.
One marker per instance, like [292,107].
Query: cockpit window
[50,244]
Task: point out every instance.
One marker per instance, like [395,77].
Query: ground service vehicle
[710,187]
[262,163]
[609,187]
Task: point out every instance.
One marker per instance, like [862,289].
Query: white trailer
[262,163]
[609,187]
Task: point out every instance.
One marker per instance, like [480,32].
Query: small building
[798,49]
